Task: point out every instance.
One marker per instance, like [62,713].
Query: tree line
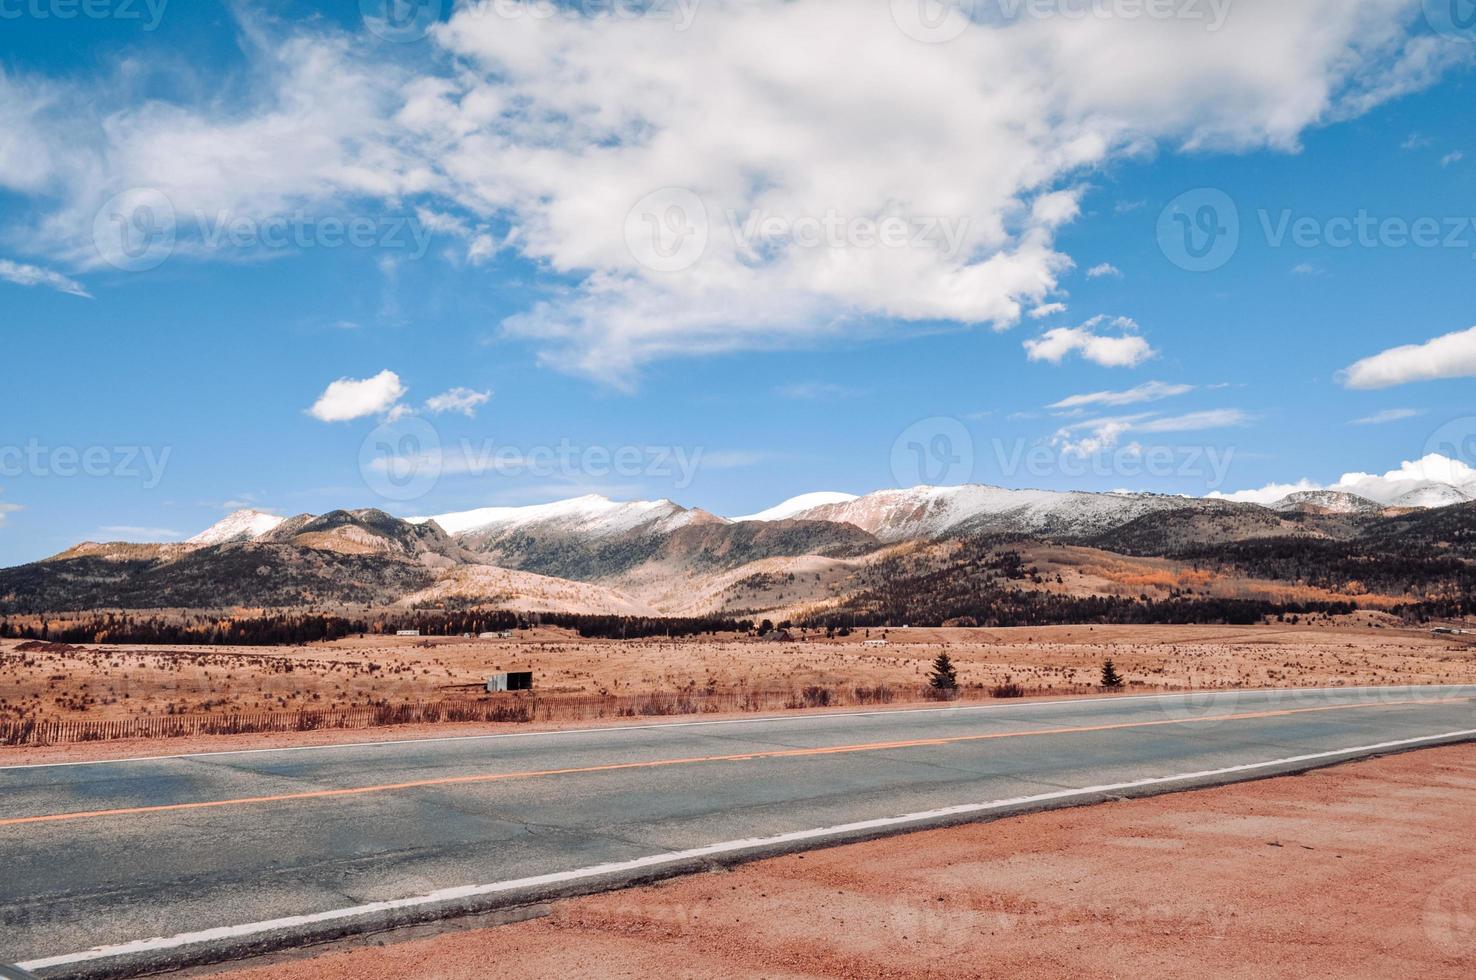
[284,629]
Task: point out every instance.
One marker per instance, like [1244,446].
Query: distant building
[499,635]
[876,643]
[407,632]
[513,680]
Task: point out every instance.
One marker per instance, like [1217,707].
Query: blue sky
[491,264]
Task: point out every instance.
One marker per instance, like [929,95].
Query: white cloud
[463,400]
[1432,479]
[1124,350]
[1452,158]
[1150,391]
[130,532]
[1412,476]
[481,249]
[1105,270]
[552,129]
[8,509]
[1389,415]
[1092,436]
[347,399]
[1047,310]
[1269,494]
[1219,418]
[31,275]
[1450,356]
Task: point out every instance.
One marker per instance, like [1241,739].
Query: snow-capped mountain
[1435,495]
[641,557]
[1433,481]
[591,515]
[243,525]
[1327,502]
[929,512]
[798,505]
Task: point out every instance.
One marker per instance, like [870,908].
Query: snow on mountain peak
[243,525]
[1433,481]
[1329,501]
[1432,495]
[797,505]
[590,514]
[925,512]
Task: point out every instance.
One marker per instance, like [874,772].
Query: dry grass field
[58,682]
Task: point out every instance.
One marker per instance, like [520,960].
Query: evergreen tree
[944,676]
[1111,679]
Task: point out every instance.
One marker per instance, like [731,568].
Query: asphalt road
[120,867]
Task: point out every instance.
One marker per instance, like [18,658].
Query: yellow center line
[659,763]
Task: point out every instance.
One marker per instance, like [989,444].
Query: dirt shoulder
[1364,870]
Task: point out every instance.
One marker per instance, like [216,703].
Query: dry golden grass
[107,683]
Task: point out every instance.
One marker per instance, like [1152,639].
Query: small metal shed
[513,680]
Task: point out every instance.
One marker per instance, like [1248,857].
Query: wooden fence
[53,731]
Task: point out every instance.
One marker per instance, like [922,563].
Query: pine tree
[944,676]
[1111,679]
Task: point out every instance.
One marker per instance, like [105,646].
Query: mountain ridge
[649,557]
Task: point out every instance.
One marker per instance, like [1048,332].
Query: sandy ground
[1365,870]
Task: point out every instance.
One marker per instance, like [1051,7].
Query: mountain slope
[370,532]
[1327,502]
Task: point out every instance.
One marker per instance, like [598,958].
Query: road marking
[322,794]
[732,847]
[756,719]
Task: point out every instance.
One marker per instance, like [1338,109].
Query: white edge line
[757,719]
[160,944]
